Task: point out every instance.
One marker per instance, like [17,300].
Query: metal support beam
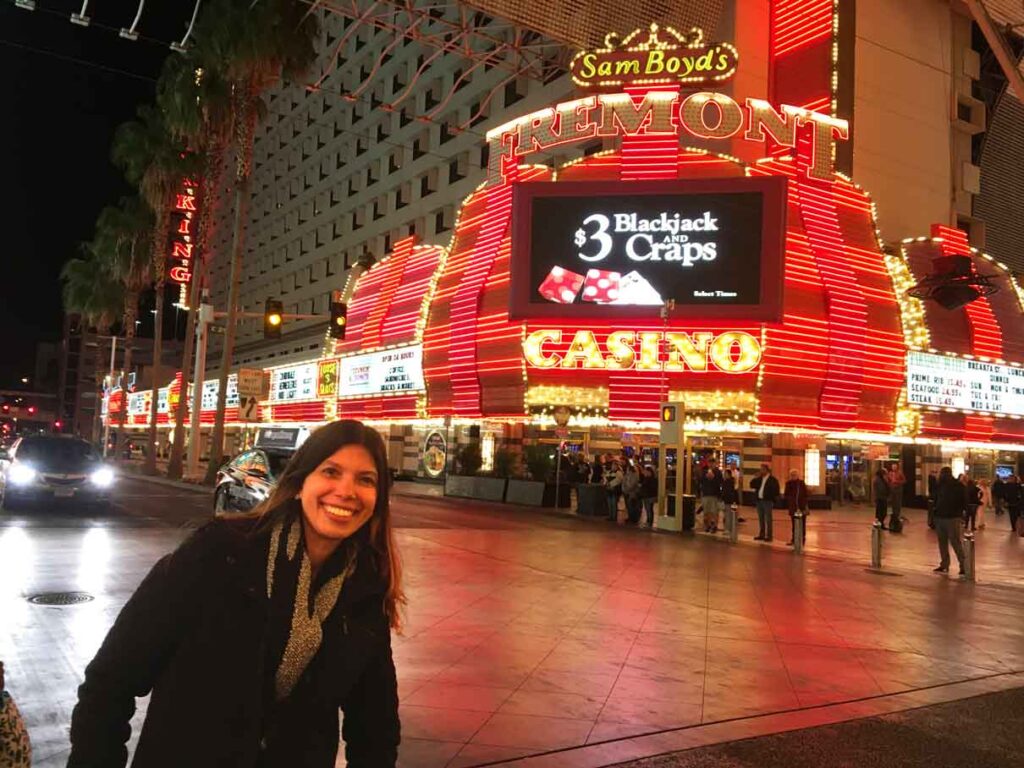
[999,47]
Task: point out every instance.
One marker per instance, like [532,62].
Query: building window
[513,92]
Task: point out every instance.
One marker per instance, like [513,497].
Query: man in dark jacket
[997,494]
[950,506]
[710,490]
[1013,497]
[766,491]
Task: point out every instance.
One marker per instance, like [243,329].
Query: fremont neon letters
[704,115]
[671,351]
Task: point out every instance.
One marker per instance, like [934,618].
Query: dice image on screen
[601,286]
[561,286]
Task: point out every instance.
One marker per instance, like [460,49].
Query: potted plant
[538,488]
[468,483]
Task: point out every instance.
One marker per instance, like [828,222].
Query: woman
[796,501]
[881,494]
[613,485]
[255,632]
[986,502]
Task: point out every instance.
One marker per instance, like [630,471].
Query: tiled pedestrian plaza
[529,633]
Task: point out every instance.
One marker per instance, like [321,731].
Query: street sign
[251,383]
[248,408]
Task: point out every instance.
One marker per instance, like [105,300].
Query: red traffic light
[31,410]
[57,425]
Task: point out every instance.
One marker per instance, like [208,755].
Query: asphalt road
[138,502]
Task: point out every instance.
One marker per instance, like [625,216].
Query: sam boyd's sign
[384,372]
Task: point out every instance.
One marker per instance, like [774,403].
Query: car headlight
[21,474]
[103,477]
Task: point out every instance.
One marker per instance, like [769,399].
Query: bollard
[969,556]
[799,521]
[732,527]
[876,545]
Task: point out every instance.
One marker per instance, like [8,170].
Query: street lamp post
[110,388]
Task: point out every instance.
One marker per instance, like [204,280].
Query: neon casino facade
[800,346]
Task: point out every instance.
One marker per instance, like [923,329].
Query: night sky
[64,91]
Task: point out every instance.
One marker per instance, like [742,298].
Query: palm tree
[251,47]
[156,163]
[121,246]
[89,291]
[196,104]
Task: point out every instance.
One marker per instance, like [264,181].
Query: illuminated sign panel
[296,382]
[941,381]
[599,249]
[208,400]
[663,56]
[387,371]
[327,378]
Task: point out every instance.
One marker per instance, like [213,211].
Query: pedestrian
[649,494]
[950,504]
[986,502]
[730,496]
[997,494]
[15,747]
[766,491]
[896,480]
[631,492]
[933,486]
[881,493]
[973,502]
[256,631]
[597,470]
[796,501]
[710,489]
[613,486]
[1013,496]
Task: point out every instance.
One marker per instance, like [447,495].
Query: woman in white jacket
[986,501]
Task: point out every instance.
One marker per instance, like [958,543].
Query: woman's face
[339,496]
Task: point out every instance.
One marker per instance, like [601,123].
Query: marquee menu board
[387,371]
[296,382]
[942,381]
[208,401]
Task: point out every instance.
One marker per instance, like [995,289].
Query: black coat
[951,498]
[771,488]
[711,486]
[193,633]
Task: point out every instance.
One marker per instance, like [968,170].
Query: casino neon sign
[702,115]
[669,351]
[184,218]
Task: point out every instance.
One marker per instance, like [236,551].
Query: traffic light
[273,315]
[339,316]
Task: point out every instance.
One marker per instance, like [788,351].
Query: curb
[179,484]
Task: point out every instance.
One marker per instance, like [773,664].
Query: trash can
[592,500]
[689,510]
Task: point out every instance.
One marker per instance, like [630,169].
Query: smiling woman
[257,630]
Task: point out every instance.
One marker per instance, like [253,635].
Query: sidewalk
[842,533]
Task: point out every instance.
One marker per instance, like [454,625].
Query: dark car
[53,467]
[248,479]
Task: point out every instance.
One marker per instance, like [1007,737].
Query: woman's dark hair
[320,446]
[945,472]
[879,472]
